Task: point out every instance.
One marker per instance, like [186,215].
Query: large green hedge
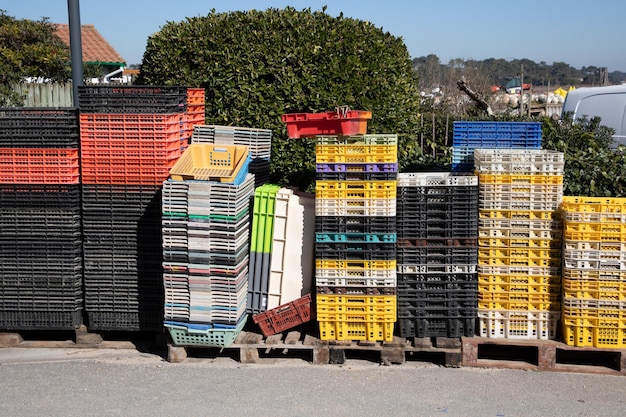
[257,65]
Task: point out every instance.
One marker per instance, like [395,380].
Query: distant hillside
[432,73]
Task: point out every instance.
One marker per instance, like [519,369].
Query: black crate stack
[130,138]
[40,235]
[437,254]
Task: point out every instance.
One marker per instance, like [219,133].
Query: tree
[29,49]
[591,167]
[257,65]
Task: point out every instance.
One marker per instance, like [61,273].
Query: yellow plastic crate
[518,214]
[519,279]
[380,308]
[593,204]
[355,189]
[611,335]
[355,264]
[588,245]
[596,290]
[519,179]
[516,301]
[517,261]
[356,154]
[609,228]
[514,242]
[531,253]
[519,288]
[595,236]
[204,161]
[345,330]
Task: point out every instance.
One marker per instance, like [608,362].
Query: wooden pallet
[542,355]
[254,348]
[77,339]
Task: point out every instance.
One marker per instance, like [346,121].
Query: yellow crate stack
[594,272]
[355,200]
[520,242]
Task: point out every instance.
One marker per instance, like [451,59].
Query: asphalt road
[81,382]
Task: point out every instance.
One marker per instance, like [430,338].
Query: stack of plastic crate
[281,247]
[594,272]
[261,247]
[40,236]
[469,135]
[131,136]
[258,141]
[205,227]
[437,254]
[520,239]
[355,253]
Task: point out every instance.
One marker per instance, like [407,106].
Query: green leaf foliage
[29,49]
[591,167]
[257,65]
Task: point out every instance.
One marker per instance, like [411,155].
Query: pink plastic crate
[339,123]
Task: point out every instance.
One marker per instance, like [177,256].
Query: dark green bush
[257,65]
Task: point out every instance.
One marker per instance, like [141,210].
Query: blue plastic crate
[497,134]
[355,237]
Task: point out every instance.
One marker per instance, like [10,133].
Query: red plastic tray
[284,316]
[347,123]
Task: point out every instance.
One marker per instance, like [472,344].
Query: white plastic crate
[430,179]
[540,161]
[529,325]
[444,268]
[384,207]
[291,268]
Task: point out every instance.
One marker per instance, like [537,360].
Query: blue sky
[580,33]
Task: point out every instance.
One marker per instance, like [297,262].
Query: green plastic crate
[182,336]
[263,218]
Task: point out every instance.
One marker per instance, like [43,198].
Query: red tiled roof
[95,47]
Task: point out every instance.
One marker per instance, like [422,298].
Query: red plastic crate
[149,174]
[195,96]
[285,316]
[39,165]
[340,123]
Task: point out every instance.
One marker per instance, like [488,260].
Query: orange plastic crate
[124,174]
[341,123]
[39,165]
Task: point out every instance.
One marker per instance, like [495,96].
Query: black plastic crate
[452,278]
[39,196]
[415,304]
[132,99]
[437,327]
[355,176]
[355,224]
[40,320]
[354,290]
[113,320]
[415,283]
[38,127]
[437,255]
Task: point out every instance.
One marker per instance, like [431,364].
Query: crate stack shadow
[437,226]
[130,138]
[40,231]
